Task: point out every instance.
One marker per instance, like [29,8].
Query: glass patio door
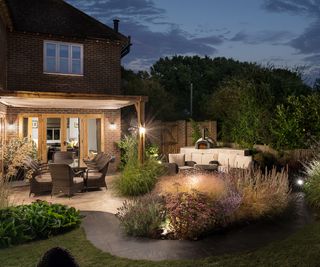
[72,136]
[81,134]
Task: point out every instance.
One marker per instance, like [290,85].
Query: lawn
[301,249]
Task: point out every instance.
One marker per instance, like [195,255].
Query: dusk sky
[283,33]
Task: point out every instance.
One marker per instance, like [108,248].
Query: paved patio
[94,200]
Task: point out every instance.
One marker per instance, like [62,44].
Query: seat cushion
[94,175]
[77,180]
[46,177]
[243,162]
[226,159]
[178,159]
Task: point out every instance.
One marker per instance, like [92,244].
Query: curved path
[102,229]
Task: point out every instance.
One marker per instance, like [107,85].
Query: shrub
[189,214]
[263,194]
[312,184]
[4,192]
[35,221]
[15,153]
[196,132]
[209,183]
[129,149]
[138,179]
[143,216]
[265,160]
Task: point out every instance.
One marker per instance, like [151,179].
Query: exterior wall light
[142,130]
[112,126]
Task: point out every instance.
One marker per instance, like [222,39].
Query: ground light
[300,182]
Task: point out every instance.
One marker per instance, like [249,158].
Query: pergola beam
[140,108]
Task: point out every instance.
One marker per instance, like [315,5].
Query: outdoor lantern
[113,126]
[142,130]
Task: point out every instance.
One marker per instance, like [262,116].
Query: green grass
[301,249]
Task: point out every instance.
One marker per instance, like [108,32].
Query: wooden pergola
[56,100]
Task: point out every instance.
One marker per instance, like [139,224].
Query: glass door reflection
[53,136]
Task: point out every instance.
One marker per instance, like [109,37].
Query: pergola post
[140,108]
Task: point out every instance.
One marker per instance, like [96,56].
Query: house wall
[102,70]
[3,55]
[111,136]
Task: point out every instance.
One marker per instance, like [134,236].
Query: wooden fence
[171,136]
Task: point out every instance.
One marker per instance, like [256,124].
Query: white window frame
[58,44]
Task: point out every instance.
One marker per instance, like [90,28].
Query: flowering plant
[15,153]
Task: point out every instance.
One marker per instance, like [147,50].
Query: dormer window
[63,58]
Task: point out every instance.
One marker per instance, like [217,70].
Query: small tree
[196,132]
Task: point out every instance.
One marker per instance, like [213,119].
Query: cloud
[272,37]
[137,16]
[314,59]
[297,7]
[149,46]
[309,41]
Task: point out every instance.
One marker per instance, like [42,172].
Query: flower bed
[38,220]
[191,205]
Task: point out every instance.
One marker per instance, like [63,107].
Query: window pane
[76,52]
[76,66]
[49,134]
[51,50]
[56,134]
[64,51]
[51,64]
[64,65]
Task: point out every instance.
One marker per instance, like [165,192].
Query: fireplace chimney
[116,25]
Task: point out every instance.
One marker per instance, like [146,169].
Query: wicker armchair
[97,177]
[65,180]
[94,160]
[40,183]
[63,157]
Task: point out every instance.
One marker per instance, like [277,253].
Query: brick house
[60,78]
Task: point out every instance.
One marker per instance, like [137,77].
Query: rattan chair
[63,157]
[40,181]
[65,180]
[96,178]
[93,161]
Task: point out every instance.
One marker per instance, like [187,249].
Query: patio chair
[35,165]
[97,177]
[177,163]
[40,181]
[65,180]
[63,157]
[96,158]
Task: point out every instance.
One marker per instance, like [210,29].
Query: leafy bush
[196,132]
[190,214]
[142,216]
[129,149]
[265,160]
[38,220]
[312,184]
[138,179]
